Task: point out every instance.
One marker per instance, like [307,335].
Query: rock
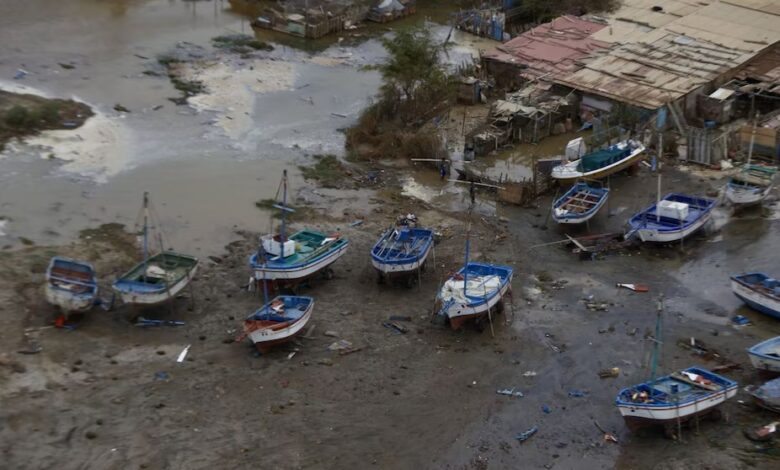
[119,108]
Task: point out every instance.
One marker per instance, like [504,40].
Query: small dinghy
[765,356]
[600,163]
[760,291]
[673,218]
[751,185]
[767,395]
[278,321]
[158,278]
[579,204]
[401,251]
[71,285]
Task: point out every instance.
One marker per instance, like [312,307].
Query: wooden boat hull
[158,296]
[295,274]
[70,303]
[70,285]
[755,300]
[568,174]
[659,415]
[459,313]
[409,265]
[593,205]
[658,236]
[762,361]
[741,196]
[264,340]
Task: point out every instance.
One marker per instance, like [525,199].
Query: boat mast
[657,339]
[284,211]
[146,229]
[658,199]
[752,140]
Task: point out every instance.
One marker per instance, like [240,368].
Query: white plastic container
[673,210]
[274,248]
[575,149]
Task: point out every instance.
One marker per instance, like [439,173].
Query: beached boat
[278,321]
[158,278]
[767,395]
[290,260]
[601,163]
[765,356]
[401,251]
[679,396]
[71,285]
[579,204]
[760,291]
[751,185]
[673,218]
[473,292]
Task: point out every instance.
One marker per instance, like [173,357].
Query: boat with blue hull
[401,251]
[751,185]
[278,321]
[672,218]
[580,203]
[765,356]
[289,260]
[71,285]
[759,291]
[473,292]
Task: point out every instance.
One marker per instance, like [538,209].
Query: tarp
[386,5]
[601,158]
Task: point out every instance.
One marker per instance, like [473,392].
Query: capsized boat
[71,285]
[580,203]
[751,185]
[760,291]
[674,217]
[679,396]
[601,163]
[401,251]
[292,259]
[765,356]
[157,278]
[767,395]
[278,321]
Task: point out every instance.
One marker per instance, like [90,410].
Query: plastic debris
[340,345]
[610,438]
[740,320]
[510,392]
[607,373]
[20,74]
[161,376]
[635,287]
[577,393]
[183,353]
[529,373]
[547,410]
[525,435]
[149,322]
[399,329]
[356,223]
[762,433]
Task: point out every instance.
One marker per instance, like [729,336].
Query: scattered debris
[161,376]
[325,362]
[121,109]
[338,115]
[510,392]
[141,321]
[340,345]
[607,373]
[331,333]
[529,373]
[740,320]
[20,74]
[546,409]
[349,351]
[291,355]
[762,433]
[356,223]
[399,329]
[610,438]
[635,287]
[597,306]
[577,393]
[525,435]
[183,353]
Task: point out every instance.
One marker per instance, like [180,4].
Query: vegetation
[328,171]
[22,115]
[416,88]
[540,11]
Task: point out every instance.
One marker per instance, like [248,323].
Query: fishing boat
[767,395]
[290,260]
[601,163]
[278,321]
[71,285]
[675,398]
[401,251]
[751,185]
[157,278]
[672,218]
[760,291]
[765,356]
[579,204]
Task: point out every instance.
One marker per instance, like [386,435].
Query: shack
[389,10]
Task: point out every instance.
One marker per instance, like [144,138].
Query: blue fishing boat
[157,278]
[580,203]
[290,260]
[765,355]
[760,291]
[401,251]
[278,321]
[71,285]
[672,218]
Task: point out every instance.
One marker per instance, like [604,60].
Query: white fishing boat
[751,185]
[278,321]
[765,355]
[600,163]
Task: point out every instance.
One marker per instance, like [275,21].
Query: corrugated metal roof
[670,61]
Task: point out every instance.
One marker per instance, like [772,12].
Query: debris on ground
[121,109]
[529,373]
[510,392]
[635,287]
[331,334]
[340,345]
[610,438]
[595,306]
[525,435]
[698,347]
[161,375]
[183,353]
[609,373]
[356,223]
[546,409]
[349,351]
[397,328]
[141,321]
[740,320]
[574,393]
[762,433]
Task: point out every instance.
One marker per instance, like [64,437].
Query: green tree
[414,60]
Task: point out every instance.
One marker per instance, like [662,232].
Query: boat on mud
[672,218]
[71,285]
[158,278]
[600,163]
[674,398]
[278,321]
[767,395]
[401,252]
[579,204]
[765,356]
[291,260]
[473,293]
[751,185]
[759,291]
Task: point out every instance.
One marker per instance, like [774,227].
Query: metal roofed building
[677,52]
